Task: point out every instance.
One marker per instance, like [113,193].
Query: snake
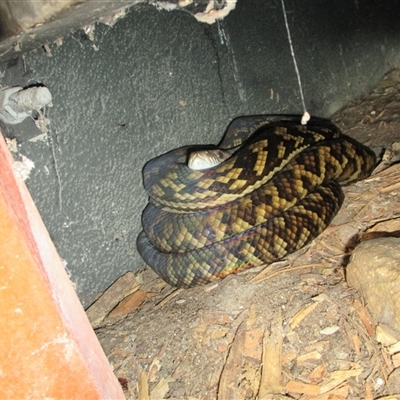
[270,187]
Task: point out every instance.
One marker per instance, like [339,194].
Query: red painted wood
[47,346]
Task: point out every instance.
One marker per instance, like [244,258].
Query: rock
[374,270]
[386,335]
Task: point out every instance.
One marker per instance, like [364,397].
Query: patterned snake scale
[278,191]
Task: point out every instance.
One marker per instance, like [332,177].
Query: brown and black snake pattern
[277,192]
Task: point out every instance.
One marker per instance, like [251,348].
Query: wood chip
[339,393]
[353,338]
[313,355]
[390,188]
[338,377]
[122,287]
[350,373]
[365,317]
[395,397]
[299,316]
[368,392]
[394,348]
[271,376]
[128,304]
[356,342]
[230,376]
[162,388]
[317,374]
[252,344]
[143,386]
[396,360]
[307,389]
[214,317]
[155,366]
[288,357]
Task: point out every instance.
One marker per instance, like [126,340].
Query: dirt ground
[293,329]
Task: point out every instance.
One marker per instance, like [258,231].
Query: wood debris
[271,379]
[120,289]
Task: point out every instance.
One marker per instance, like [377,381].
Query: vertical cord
[306,115]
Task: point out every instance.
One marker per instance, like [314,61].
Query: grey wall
[161,79]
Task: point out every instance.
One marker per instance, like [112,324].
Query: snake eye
[220,154]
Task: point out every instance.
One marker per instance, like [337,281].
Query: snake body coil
[277,191]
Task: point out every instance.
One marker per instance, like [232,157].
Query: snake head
[205,159]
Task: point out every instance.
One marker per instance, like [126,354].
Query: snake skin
[278,191]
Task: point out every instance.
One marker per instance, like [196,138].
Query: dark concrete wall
[158,80]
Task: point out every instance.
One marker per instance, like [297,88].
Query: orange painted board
[47,346]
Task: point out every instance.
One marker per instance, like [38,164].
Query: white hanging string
[306,115]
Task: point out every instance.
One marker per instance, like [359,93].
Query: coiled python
[277,191]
